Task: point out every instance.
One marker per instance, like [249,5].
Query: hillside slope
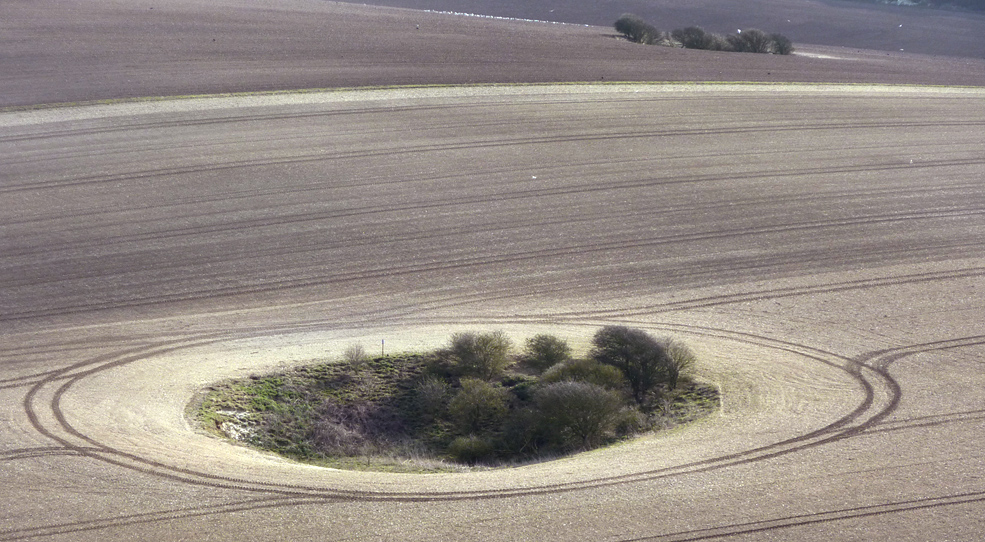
[845,23]
[63,52]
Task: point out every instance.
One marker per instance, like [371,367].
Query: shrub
[544,351]
[586,370]
[353,429]
[736,43]
[470,449]
[751,41]
[717,42]
[482,355]
[636,29]
[693,37]
[478,407]
[578,414]
[335,439]
[643,361]
[758,41]
[631,421]
[522,434]
[430,394]
[355,355]
[520,385]
[781,44]
[681,356]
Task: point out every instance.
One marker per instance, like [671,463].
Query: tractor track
[450,265]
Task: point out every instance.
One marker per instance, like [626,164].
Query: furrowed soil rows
[820,247]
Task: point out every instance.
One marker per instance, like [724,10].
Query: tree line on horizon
[635,29]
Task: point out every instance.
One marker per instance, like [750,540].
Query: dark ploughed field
[854,24]
[63,51]
[196,190]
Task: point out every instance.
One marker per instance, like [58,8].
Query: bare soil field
[64,52]
[819,246]
[852,24]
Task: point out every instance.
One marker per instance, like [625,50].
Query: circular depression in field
[769,387]
[797,183]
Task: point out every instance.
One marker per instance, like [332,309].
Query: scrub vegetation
[693,37]
[472,403]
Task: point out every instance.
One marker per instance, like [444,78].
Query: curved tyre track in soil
[863,415]
[821,248]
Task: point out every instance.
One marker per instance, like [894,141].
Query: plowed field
[820,246]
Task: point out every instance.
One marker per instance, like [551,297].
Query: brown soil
[66,53]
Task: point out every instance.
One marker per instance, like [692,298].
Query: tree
[478,407]
[544,351]
[781,44]
[578,414]
[718,42]
[641,358]
[751,41]
[482,355]
[636,29]
[681,356]
[693,37]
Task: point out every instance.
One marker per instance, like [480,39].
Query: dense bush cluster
[636,29]
[694,37]
[474,401]
[547,402]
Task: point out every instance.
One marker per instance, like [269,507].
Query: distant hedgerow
[695,37]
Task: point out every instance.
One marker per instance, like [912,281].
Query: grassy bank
[429,412]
